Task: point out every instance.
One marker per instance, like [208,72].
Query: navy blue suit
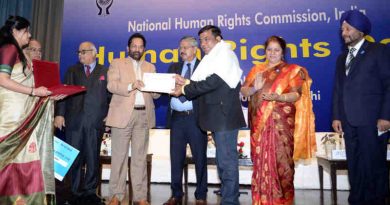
[359,101]
[220,112]
[185,129]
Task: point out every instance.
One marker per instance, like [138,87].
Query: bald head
[34,50]
[87,53]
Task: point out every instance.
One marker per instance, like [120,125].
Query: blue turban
[356,19]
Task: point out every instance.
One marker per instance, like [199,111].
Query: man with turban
[361,109]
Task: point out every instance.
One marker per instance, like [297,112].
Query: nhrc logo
[104,5]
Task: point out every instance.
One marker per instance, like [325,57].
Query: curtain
[46,26]
[14,7]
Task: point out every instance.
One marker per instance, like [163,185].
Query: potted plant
[329,141]
[240,150]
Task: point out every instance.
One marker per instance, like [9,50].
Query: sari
[281,132]
[26,131]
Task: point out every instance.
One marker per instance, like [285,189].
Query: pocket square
[102,77]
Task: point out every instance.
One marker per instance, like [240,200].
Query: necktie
[350,59]
[87,70]
[187,75]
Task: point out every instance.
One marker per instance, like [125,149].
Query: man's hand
[57,97]
[138,85]
[383,125]
[179,80]
[59,122]
[177,91]
[336,124]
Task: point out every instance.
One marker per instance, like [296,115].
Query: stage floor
[161,192]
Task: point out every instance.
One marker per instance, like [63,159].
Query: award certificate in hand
[159,82]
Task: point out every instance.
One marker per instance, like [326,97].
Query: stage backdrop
[311,29]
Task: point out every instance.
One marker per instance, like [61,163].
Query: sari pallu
[26,149]
[276,127]
[20,169]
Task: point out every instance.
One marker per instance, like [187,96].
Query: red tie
[87,70]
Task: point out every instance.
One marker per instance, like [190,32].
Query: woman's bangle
[32,92]
[284,98]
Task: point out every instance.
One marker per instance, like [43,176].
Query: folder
[47,74]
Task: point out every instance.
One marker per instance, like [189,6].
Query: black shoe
[93,199]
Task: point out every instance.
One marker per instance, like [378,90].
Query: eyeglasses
[39,50]
[83,52]
[185,47]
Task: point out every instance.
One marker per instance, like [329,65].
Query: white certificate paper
[159,82]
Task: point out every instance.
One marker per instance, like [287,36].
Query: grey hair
[92,45]
[191,39]
[94,48]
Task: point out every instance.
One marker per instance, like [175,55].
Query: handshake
[179,83]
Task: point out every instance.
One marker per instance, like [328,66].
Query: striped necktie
[350,59]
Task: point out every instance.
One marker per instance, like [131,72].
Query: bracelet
[32,92]
[284,97]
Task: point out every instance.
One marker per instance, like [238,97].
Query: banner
[311,29]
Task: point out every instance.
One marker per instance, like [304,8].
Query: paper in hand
[158,82]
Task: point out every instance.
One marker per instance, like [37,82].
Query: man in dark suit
[182,119]
[216,84]
[361,109]
[82,115]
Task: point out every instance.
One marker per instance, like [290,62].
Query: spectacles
[83,52]
[39,50]
[185,47]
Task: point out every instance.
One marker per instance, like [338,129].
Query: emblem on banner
[104,5]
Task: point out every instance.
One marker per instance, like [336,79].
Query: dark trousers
[87,140]
[367,168]
[184,129]
[227,165]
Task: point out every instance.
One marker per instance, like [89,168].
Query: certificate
[64,155]
[159,82]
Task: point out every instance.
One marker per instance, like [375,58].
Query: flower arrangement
[240,146]
[332,141]
[105,148]
[331,138]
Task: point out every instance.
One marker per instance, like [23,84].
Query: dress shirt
[176,104]
[357,46]
[139,98]
[91,67]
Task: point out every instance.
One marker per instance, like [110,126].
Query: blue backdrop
[311,29]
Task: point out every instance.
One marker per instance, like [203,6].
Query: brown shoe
[173,201]
[114,201]
[142,202]
[200,202]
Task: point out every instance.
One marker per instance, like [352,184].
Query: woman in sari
[281,122]
[26,168]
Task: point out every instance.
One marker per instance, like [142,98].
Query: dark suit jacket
[363,96]
[177,68]
[90,107]
[219,106]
